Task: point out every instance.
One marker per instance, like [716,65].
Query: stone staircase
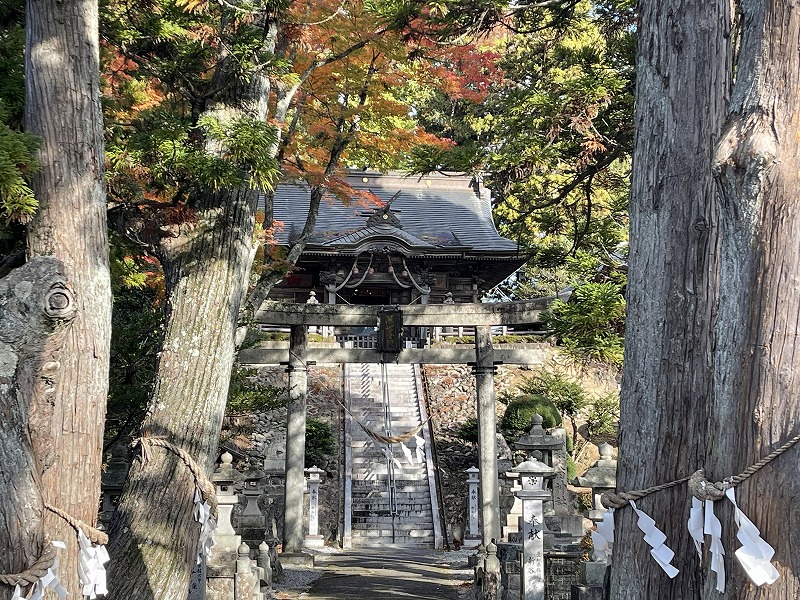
[390,492]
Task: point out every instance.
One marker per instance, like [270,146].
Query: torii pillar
[295,441]
[487,434]
[487,459]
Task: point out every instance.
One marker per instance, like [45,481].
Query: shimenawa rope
[699,486]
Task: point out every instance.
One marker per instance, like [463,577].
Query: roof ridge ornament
[385,215]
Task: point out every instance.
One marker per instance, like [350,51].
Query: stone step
[364,502]
[378,484]
[378,494]
[397,542]
[385,522]
[378,473]
[401,500]
[387,532]
[405,509]
[371,521]
[377,480]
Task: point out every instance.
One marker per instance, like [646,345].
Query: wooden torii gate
[483,356]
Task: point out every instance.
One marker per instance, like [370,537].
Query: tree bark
[36,308]
[153,534]
[757,391]
[63,109]
[683,82]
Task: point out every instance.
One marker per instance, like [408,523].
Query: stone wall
[258,442]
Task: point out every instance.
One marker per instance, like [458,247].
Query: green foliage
[246,144]
[590,325]
[166,89]
[567,395]
[603,417]
[12,71]
[469,430]
[320,444]
[552,136]
[17,162]
[129,268]
[518,416]
[572,468]
[136,336]
[247,394]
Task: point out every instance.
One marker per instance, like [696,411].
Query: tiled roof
[437,211]
[377,232]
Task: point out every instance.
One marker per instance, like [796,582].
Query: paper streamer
[202,514]
[91,567]
[656,538]
[407,453]
[390,455]
[755,554]
[695,525]
[419,450]
[50,580]
[713,528]
[603,537]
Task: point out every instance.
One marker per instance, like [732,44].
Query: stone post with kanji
[533,477]
[313,539]
[472,538]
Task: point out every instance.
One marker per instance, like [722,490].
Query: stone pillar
[314,539]
[330,298]
[264,561]
[248,576]
[487,435]
[295,441]
[221,567]
[533,494]
[312,299]
[423,331]
[473,534]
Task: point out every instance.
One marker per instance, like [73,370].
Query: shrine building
[433,241]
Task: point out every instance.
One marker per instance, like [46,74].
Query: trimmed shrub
[567,394]
[319,443]
[518,417]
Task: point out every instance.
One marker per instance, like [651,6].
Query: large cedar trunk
[206,266]
[683,70]
[63,109]
[36,307]
[757,389]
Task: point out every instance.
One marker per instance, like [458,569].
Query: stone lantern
[602,477]
[552,445]
[112,480]
[533,476]
[223,479]
[251,522]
